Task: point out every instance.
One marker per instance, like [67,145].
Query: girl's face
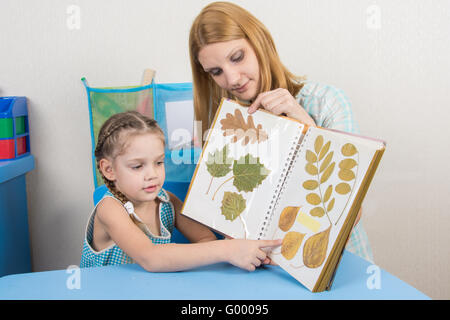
[234,67]
[139,171]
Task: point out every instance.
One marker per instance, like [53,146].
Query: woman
[233,55]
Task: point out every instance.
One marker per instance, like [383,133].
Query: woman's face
[234,67]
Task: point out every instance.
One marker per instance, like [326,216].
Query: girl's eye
[159,163]
[237,57]
[215,72]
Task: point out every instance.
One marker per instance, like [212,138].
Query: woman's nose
[233,76]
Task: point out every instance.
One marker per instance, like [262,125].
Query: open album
[263,176]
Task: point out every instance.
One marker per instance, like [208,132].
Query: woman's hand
[280,101]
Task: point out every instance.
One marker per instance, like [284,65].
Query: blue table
[215,282]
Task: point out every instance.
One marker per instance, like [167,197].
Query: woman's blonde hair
[112,140]
[224,21]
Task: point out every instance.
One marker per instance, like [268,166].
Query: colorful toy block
[14,129]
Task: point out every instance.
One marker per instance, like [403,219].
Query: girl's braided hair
[112,139]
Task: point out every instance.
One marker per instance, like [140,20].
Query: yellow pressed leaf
[310,184]
[346,175]
[315,249]
[348,150]
[311,169]
[347,164]
[330,205]
[324,150]
[343,188]
[287,218]
[310,156]
[327,173]
[326,162]
[291,244]
[318,144]
[313,199]
[317,212]
[327,194]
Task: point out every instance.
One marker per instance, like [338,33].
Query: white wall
[390,57]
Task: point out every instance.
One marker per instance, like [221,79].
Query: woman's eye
[136,167]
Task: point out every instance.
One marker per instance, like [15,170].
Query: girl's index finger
[270,243]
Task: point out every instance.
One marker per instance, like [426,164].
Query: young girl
[133,222]
[233,55]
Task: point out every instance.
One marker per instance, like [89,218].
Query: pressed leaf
[324,150]
[236,125]
[327,173]
[218,163]
[348,150]
[326,162]
[287,218]
[313,199]
[291,243]
[315,249]
[311,169]
[347,164]
[248,173]
[330,205]
[317,212]
[310,184]
[233,204]
[327,194]
[318,144]
[346,175]
[310,156]
[343,188]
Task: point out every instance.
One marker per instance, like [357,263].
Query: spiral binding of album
[289,164]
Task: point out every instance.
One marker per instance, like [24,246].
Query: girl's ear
[106,169]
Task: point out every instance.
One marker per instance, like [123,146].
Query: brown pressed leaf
[330,205]
[324,150]
[327,194]
[317,212]
[348,150]
[310,156]
[343,188]
[287,218]
[318,144]
[310,184]
[237,126]
[327,173]
[313,199]
[346,175]
[315,249]
[326,162]
[291,244]
[347,164]
[311,169]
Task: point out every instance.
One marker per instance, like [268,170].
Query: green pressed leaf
[326,162]
[310,184]
[317,212]
[324,150]
[313,199]
[327,194]
[233,204]
[343,188]
[327,173]
[310,156]
[318,144]
[348,150]
[330,205]
[347,164]
[218,163]
[248,173]
[346,175]
[311,169]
